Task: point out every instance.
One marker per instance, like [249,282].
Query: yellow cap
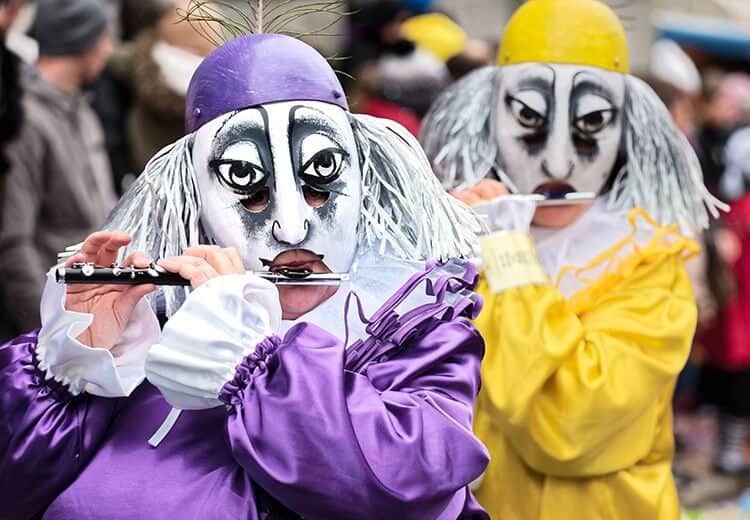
[437,34]
[566,32]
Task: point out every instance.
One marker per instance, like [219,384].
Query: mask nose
[291,226]
[558,171]
[290,234]
[557,164]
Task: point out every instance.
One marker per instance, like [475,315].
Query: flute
[89,273]
[566,199]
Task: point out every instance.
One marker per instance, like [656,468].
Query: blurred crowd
[91,89]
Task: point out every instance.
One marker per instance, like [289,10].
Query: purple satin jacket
[310,429]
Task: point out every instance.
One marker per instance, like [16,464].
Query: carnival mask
[559,127]
[281,176]
[556,114]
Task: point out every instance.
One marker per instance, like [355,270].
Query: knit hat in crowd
[68,26]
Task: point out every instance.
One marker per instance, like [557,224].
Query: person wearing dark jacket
[11,113]
[59,186]
[10,90]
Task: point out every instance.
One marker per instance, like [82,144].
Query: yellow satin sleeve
[575,405]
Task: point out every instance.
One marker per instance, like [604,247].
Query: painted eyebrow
[535,78]
[589,86]
[309,124]
[538,83]
[245,130]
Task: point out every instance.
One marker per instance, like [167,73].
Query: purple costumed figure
[258,400]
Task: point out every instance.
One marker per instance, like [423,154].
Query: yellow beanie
[566,32]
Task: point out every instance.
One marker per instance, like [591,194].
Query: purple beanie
[258,69]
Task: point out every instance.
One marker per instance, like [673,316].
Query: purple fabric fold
[47,435]
[388,331]
[248,367]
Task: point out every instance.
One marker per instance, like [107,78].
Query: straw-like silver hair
[661,173]
[458,133]
[405,211]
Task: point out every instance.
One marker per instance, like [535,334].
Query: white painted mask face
[559,126]
[279,177]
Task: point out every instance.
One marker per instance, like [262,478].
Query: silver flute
[89,273]
[566,199]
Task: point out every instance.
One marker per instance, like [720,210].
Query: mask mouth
[554,190]
[297,261]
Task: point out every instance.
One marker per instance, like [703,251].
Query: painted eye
[594,122]
[525,115]
[324,167]
[238,175]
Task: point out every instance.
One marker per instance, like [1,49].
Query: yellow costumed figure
[589,313]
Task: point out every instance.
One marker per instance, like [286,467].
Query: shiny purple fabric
[257,69]
[301,434]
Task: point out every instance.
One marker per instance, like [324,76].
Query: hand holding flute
[113,304]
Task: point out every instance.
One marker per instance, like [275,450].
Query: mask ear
[405,211]
[161,211]
[458,133]
[662,173]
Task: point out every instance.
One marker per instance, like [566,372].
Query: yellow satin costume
[575,407]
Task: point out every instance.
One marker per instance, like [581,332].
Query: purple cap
[257,69]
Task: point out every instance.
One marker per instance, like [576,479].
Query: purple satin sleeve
[46,434]
[391,441]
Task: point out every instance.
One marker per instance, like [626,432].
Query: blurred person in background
[137,16]
[114,89]
[163,61]
[59,187]
[412,81]
[11,112]
[725,379]
[718,119]
[444,39]
[10,90]
[390,76]
[677,81]
[375,29]
[737,86]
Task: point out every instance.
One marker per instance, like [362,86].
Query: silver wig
[661,173]
[405,211]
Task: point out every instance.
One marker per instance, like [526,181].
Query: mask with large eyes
[281,177]
[559,126]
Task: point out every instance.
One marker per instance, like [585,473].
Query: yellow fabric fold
[575,406]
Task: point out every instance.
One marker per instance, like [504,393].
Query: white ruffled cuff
[97,371]
[201,345]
